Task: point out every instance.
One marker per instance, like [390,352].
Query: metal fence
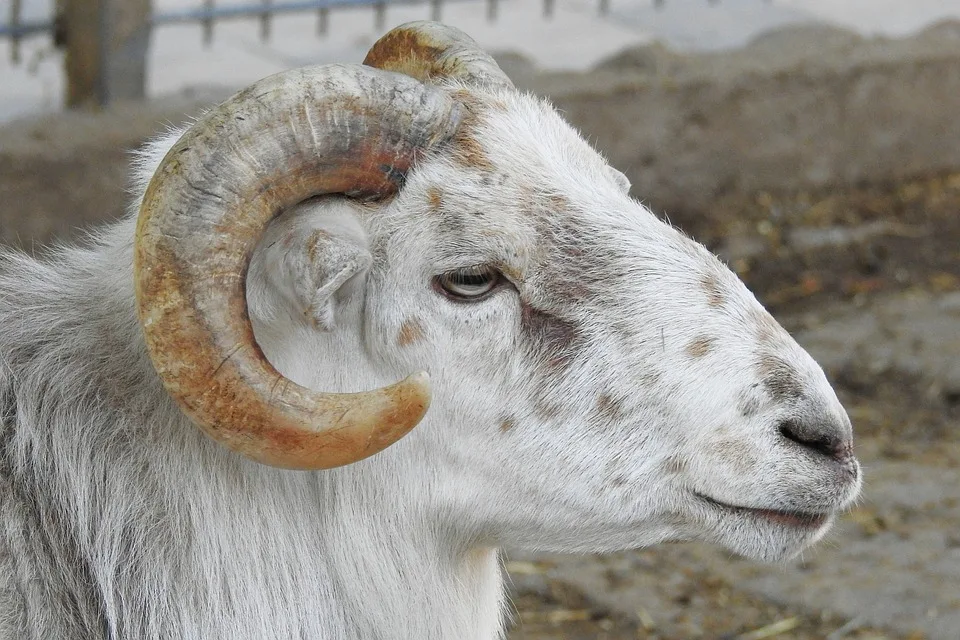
[208,12]
[105,41]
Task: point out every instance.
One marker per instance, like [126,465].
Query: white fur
[122,520]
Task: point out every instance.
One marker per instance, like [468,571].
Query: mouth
[793,519]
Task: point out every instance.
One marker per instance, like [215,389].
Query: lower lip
[793,519]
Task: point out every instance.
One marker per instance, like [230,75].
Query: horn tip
[418,382]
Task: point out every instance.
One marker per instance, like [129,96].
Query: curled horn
[430,51]
[328,129]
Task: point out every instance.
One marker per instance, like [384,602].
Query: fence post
[106,50]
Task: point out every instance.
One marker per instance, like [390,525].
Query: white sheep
[598,381]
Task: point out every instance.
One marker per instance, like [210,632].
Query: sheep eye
[469,283]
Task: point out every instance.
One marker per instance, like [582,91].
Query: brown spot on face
[576,291]
[700,347]
[471,101]
[526,200]
[674,465]
[452,223]
[558,202]
[434,198]
[546,411]
[468,152]
[554,339]
[649,378]
[779,378]
[411,331]
[710,283]
[610,408]
[507,423]
[733,452]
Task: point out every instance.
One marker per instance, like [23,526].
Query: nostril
[819,439]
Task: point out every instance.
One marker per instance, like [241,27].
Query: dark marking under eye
[554,339]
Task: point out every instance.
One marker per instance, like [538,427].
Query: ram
[597,380]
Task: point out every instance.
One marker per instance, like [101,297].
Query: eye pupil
[469,283]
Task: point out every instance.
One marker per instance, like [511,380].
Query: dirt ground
[868,279]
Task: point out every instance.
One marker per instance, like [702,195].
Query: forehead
[520,141]
[516,175]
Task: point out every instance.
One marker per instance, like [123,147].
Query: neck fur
[173,536]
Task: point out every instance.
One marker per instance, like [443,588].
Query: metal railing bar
[323,21]
[25,29]
[207,24]
[265,15]
[209,13]
[15,7]
[251,10]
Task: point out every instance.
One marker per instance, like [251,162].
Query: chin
[770,536]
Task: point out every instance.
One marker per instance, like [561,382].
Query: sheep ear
[311,258]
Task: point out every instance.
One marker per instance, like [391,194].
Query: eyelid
[475,270]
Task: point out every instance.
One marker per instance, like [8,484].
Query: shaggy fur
[618,374]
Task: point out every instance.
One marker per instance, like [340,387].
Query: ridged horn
[311,131]
[430,51]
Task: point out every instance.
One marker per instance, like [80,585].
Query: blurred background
[813,144]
